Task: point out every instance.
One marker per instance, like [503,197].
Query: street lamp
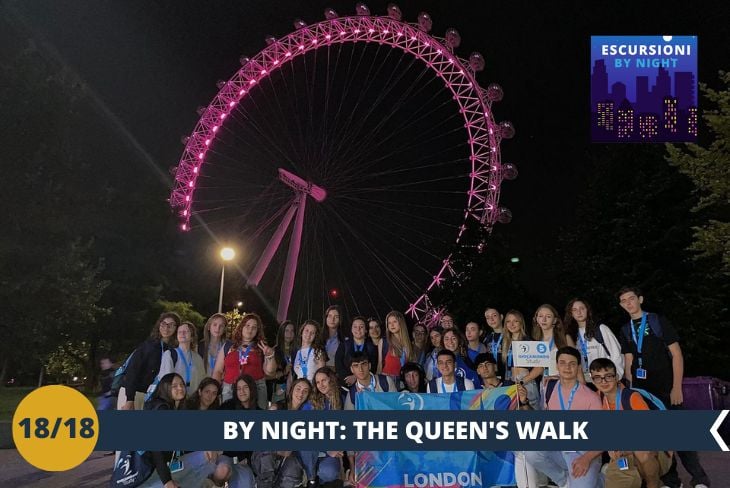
[227,254]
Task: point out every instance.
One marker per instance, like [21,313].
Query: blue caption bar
[433,430]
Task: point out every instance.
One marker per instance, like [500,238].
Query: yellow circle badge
[55,428]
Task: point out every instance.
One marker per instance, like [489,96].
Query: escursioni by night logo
[644,89]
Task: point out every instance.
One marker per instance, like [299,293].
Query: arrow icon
[716,434]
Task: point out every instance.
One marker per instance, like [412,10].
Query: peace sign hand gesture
[268,351]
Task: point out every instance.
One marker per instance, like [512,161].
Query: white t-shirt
[441,387]
[305,356]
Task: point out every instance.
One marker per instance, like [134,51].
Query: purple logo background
[644,89]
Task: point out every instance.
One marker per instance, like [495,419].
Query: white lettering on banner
[454,430]
[376,430]
[230,429]
[547,430]
[424,480]
[299,430]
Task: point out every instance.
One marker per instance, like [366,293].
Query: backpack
[652,320]
[652,401]
[151,389]
[119,376]
[598,335]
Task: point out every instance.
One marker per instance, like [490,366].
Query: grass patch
[11,397]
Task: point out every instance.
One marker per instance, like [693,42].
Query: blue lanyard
[640,340]
[188,364]
[443,385]
[584,350]
[618,399]
[435,373]
[509,358]
[403,358]
[370,387]
[243,356]
[212,358]
[552,344]
[303,363]
[570,399]
[495,346]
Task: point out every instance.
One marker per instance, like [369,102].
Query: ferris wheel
[375,139]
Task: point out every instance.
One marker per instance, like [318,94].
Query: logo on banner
[531,354]
[644,89]
[412,401]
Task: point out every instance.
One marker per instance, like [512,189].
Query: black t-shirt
[655,355]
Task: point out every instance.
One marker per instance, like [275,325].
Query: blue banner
[408,469]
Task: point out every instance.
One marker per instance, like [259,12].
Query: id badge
[622,463]
[641,373]
[176,466]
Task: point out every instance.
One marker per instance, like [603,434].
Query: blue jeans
[106,403]
[557,466]
[195,470]
[327,470]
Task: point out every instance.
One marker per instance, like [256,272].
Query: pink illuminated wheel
[358,153]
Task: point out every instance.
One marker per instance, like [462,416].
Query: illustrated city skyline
[657,114]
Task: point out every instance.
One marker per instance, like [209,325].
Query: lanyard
[212,358]
[617,405]
[583,349]
[435,373]
[640,340]
[243,356]
[570,399]
[495,346]
[509,358]
[552,344]
[371,386]
[402,357]
[443,386]
[303,363]
[188,364]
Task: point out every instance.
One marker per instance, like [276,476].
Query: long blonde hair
[507,341]
[558,328]
[404,339]
[206,328]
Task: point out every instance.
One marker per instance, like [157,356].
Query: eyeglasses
[603,379]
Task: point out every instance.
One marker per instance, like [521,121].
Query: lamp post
[227,254]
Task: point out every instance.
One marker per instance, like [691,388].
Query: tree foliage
[709,169]
[634,224]
[184,309]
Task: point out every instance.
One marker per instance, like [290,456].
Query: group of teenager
[313,367]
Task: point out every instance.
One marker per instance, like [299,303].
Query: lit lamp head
[227,254]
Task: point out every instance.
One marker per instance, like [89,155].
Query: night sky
[151,64]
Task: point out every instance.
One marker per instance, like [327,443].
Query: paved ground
[96,470]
